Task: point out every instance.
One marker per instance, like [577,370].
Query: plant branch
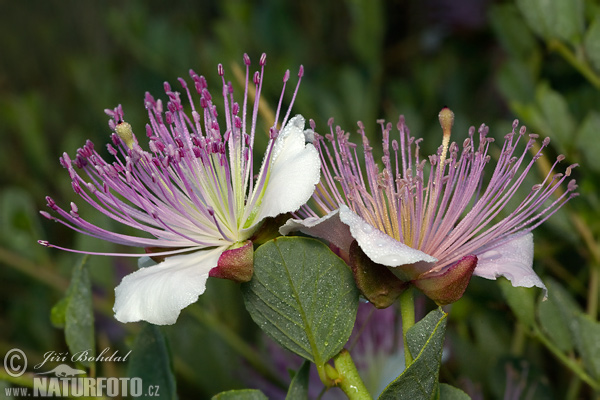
[349,380]
[571,364]
[581,66]
[407,311]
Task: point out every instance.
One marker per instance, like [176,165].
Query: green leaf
[75,313]
[553,117]
[366,35]
[587,340]
[587,138]
[553,321]
[20,225]
[420,380]
[538,14]
[563,299]
[448,392]
[562,19]
[591,43]
[58,314]
[511,31]
[244,394]
[303,296]
[150,361]
[298,389]
[516,83]
[569,23]
[520,300]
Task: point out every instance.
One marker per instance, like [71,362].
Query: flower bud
[448,286]
[236,264]
[375,281]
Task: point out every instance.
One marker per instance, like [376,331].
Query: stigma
[125,132]
[446,117]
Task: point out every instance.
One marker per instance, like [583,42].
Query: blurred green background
[63,63]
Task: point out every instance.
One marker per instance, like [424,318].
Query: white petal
[513,260]
[378,246]
[329,228]
[342,226]
[157,294]
[294,171]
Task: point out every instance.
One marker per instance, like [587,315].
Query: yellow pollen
[446,117]
[125,133]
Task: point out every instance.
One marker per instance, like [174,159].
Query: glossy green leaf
[587,340]
[75,313]
[298,389]
[448,392]
[521,301]
[244,394]
[150,361]
[303,296]
[425,342]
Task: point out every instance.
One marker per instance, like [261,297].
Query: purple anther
[50,203]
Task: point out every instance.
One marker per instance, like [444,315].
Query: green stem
[236,343]
[581,66]
[327,374]
[571,364]
[518,344]
[43,273]
[574,388]
[349,380]
[46,273]
[407,311]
